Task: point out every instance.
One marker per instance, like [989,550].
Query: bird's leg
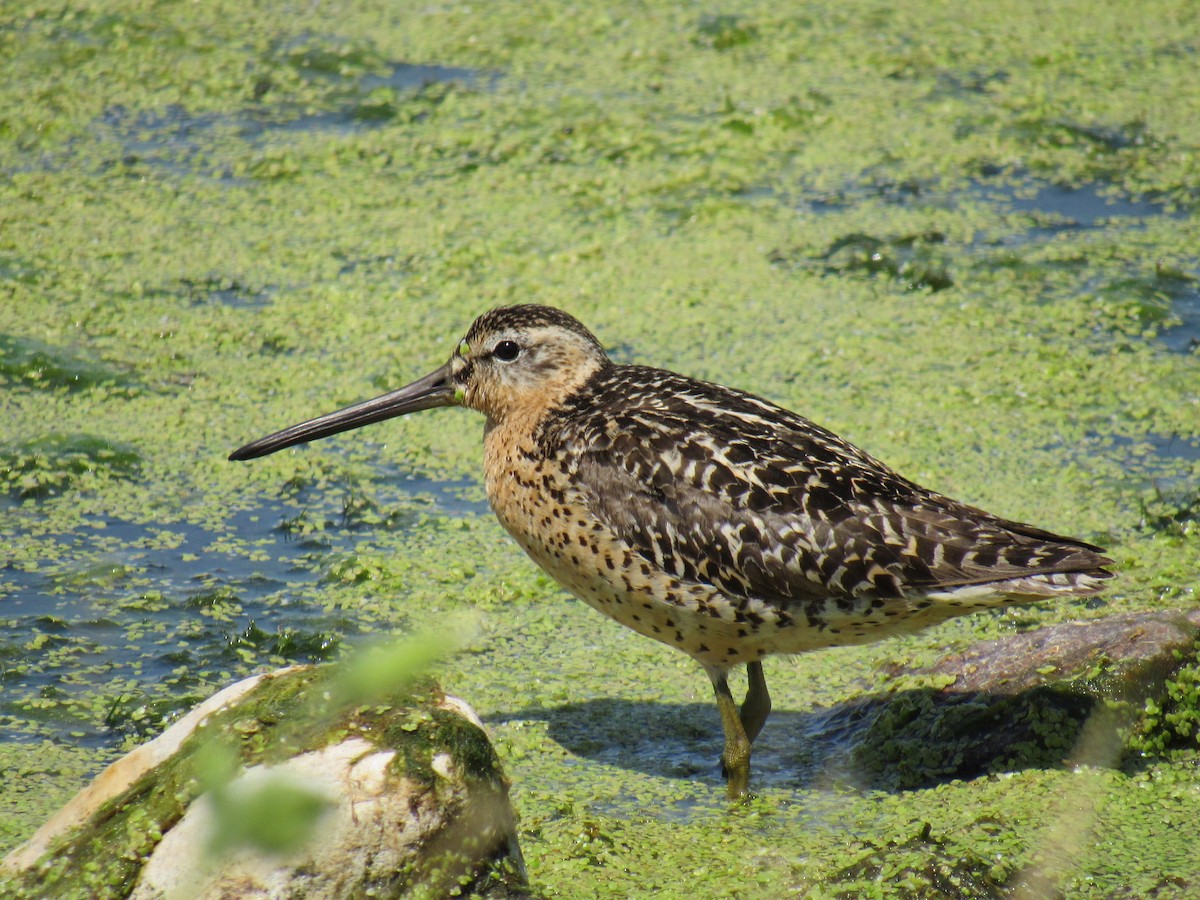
[736,758]
[757,705]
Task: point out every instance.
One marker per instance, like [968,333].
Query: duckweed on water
[963,237]
[51,464]
[1170,723]
[28,362]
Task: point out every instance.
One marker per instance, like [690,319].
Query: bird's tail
[1027,588]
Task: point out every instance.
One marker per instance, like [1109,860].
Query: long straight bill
[435,389]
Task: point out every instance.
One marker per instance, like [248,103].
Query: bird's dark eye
[507,351]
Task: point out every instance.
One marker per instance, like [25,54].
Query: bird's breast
[536,501]
[516,478]
[531,495]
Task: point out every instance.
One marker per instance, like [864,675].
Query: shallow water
[893,219]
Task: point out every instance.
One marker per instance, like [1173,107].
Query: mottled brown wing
[789,513]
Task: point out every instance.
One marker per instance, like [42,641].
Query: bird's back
[714,485]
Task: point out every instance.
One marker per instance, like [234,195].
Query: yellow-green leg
[740,728]
[736,758]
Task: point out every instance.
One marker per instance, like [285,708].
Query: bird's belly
[588,560]
[585,558]
[684,616]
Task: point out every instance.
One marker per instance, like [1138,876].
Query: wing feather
[760,502]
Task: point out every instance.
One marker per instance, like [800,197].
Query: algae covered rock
[280,786]
[1069,694]
[1127,653]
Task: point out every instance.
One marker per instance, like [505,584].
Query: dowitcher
[708,518]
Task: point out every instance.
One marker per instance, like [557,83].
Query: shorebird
[708,518]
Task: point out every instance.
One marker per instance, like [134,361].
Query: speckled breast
[544,513]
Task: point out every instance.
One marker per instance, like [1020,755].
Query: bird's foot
[737,777]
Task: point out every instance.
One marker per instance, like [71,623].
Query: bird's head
[522,358]
[513,360]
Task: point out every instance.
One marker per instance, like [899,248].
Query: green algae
[52,463]
[921,866]
[248,209]
[910,258]
[41,777]
[28,361]
[1169,724]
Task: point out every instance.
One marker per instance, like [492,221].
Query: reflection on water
[1085,206]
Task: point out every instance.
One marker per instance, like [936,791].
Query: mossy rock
[1099,692]
[275,788]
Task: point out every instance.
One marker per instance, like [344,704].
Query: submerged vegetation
[964,238]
